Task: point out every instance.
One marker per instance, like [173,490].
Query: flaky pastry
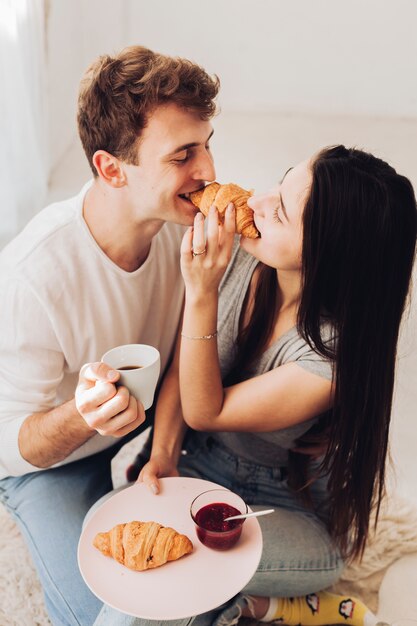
[220,196]
[143,545]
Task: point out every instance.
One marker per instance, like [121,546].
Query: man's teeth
[185,195]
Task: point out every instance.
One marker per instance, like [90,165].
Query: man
[87,274]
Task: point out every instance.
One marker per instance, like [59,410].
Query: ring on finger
[194,253]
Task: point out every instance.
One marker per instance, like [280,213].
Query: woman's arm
[277,399]
[169,430]
[280,398]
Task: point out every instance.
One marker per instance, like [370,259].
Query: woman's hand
[204,260]
[158,466]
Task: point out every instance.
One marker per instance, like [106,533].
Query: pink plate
[194,584]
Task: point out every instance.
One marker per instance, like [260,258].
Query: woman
[294,334]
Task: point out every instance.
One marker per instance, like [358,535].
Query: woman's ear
[109,168]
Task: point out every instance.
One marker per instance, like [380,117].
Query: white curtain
[23,114]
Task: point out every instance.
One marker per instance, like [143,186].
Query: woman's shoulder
[328,330]
[237,277]
[309,357]
[240,261]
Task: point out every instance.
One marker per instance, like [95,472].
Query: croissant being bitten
[220,196]
[143,545]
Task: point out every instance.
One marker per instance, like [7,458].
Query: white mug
[139,366]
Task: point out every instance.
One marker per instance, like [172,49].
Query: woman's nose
[256,203]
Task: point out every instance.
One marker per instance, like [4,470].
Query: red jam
[213,531]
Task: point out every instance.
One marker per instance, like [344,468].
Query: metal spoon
[245,515]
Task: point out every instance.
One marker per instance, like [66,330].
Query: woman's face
[278,216]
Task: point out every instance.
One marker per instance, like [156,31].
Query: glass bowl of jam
[209,511]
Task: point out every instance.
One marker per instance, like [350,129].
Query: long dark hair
[359,237]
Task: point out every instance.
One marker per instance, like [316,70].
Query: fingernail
[199,217]
[111,374]
[154,488]
[230,207]
[213,208]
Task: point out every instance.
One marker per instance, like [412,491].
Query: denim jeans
[298,556]
[49,507]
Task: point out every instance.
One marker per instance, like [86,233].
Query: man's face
[174,159]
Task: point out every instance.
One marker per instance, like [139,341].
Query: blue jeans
[298,556]
[49,507]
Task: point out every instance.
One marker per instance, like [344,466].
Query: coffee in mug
[140,379]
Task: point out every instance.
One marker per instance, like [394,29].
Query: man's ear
[109,168]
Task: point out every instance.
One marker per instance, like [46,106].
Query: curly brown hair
[118,94]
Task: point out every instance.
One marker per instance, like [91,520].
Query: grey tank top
[267,448]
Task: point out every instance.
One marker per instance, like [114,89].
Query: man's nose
[205,168]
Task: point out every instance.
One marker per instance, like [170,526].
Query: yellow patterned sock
[319,609]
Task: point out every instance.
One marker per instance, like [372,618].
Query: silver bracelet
[211,336]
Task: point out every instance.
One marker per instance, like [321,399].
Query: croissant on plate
[220,196]
[143,545]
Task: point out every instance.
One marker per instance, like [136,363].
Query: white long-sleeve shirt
[63,303]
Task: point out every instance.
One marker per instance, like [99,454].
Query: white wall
[333,57]
[78,31]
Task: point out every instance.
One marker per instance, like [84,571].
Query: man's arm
[99,407]
[48,438]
